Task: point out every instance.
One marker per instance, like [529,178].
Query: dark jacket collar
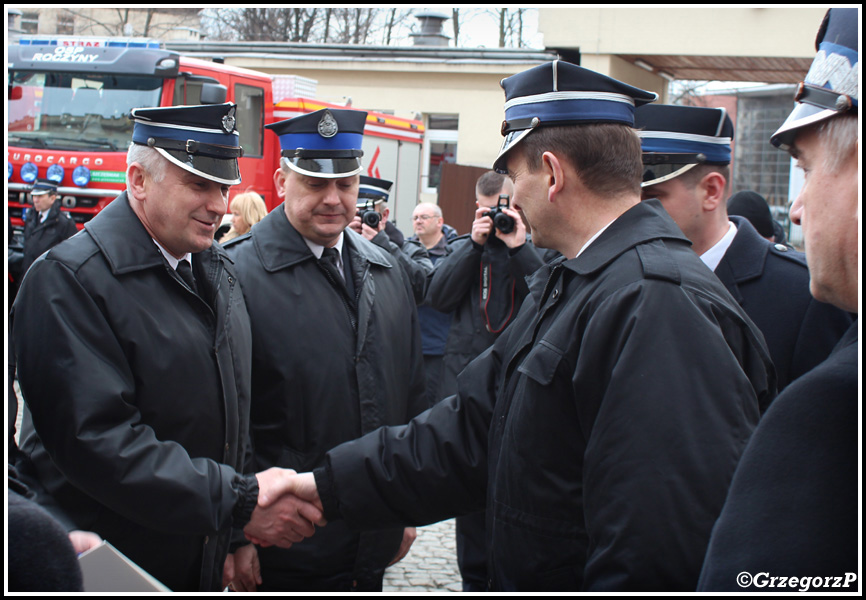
[644,222]
[745,257]
[123,240]
[279,245]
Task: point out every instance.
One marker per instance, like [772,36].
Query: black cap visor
[221,170]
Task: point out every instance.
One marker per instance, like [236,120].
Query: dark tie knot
[185,271]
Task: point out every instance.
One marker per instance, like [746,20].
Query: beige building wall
[782,31]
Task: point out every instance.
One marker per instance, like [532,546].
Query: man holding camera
[336,344]
[482,282]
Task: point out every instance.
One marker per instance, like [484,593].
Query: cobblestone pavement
[430,566]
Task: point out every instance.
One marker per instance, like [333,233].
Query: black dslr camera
[368,213]
[501,221]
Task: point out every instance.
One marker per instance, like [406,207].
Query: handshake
[288,508]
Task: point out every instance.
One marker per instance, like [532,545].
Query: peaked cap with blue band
[199,139]
[325,143]
[832,85]
[674,139]
[43,186]
[562,93]
[374,189]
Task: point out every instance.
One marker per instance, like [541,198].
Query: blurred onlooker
[429,227]
[45,225]
[247,210]
[481,281]
[754,208]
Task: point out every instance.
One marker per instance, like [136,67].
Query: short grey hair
[839,138]
[149,159]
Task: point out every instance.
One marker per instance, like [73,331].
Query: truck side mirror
[213,93]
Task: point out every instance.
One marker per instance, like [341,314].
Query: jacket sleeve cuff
[248,496]
[325,487]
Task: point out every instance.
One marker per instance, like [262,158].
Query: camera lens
[503,223]
[371,218]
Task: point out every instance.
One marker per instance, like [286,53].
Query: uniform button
[555,294]
[206,539]
[231,279]
[781,247]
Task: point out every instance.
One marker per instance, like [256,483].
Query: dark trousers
[472,551]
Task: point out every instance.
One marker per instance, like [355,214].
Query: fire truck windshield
[74,111]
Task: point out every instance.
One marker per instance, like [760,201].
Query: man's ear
[280,183]
[713,188]
[136,179]
[553,171]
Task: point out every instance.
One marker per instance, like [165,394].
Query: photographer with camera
[371,222]
[482,282]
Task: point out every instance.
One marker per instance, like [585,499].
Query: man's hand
[517,237]
[365,230]
[283,514]
[82,541]
[481,226]
[409,535]
[247,574]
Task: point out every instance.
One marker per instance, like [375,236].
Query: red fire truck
[69,101]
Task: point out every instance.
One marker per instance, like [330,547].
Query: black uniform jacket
[771,283]
[39,237]
[139,392]
[793,505]
[316,381]
[602,429]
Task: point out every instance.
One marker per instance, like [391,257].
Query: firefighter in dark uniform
[45,225]
[687,153]
[336,342]
[133,353]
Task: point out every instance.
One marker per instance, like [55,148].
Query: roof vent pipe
[431,29]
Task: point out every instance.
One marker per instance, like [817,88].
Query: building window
[30,22]
[65,23]
[440,146]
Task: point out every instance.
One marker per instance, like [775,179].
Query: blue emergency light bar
[90,42]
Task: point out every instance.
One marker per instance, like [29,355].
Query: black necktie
[329,263]
[185,271]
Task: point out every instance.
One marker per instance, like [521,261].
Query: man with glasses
[428,224]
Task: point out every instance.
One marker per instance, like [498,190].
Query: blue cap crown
[324,143]
[561,93]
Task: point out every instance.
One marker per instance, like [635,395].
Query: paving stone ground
[430,566]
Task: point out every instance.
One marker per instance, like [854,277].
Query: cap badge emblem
[327,126]
[229,120]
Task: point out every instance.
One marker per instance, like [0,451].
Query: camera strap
[486,285]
